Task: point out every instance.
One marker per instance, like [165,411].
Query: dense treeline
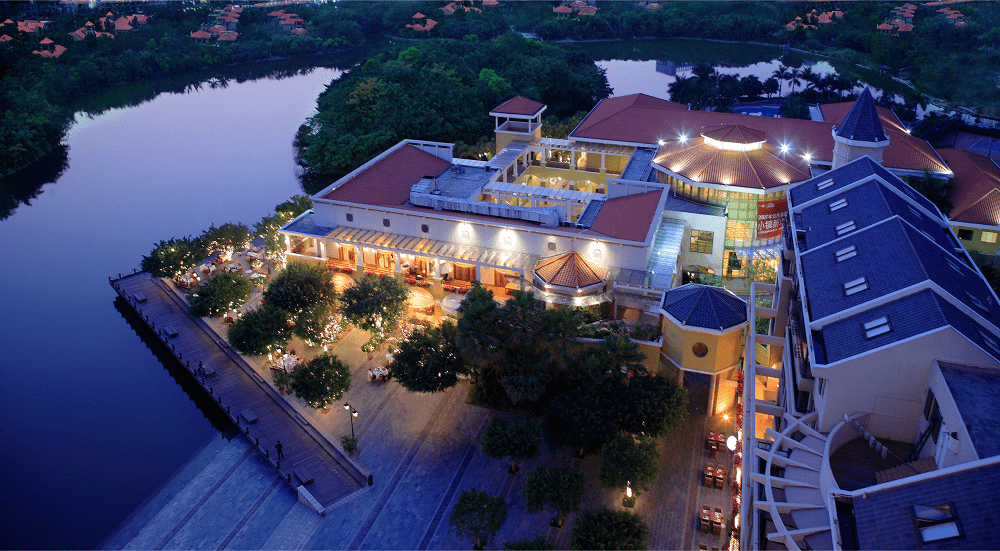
[37,94]
[442,90]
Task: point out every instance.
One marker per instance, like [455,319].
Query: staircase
[924,465]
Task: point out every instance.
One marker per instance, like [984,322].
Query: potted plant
[349,443]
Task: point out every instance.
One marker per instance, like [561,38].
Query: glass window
[989,237]
[700,349]
[937,522]
[702,241]
[965,235]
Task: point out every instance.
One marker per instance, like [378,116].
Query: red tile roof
[518,106]
[5,38]
[300,32]
[388,181]
[562,9]
[8,22]
[200,34]
[46,41]
[418,15]
[733,133]
[884,27]
[905,28]
[835,113]
[628,217]
[646,120]
[230,36]
[570,270]
[490,3]
[975,189]
[763,168]
[589,10]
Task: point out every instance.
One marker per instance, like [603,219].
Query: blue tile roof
[884,518]
[305,224]
[908,316]
[890,256]
[705,306]
[977,393]
[862,122]
[854,171]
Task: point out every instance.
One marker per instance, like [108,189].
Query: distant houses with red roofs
[89,29]
[221,26]
[288,22]
[577,7]
[421,23]
[814,19]
[48,48]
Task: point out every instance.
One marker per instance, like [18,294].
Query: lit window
[989,237]
[824,184]
[702,241]
[876,327]
[844,254]
[838,204]
[937,523]
[846,227]
[855,286]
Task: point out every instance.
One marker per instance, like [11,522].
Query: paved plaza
[422,450]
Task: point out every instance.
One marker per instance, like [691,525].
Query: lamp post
[352,413]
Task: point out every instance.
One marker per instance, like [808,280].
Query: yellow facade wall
[724,350]
[976,243]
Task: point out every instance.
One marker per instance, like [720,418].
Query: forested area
[440,90]
[37,94]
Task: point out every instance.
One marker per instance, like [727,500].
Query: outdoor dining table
[380,372]
[720,477]
[706,518]
[709,474]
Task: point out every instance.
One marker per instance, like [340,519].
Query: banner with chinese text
[770,215]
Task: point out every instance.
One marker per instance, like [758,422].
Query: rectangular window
[915,212]
[965,235]
[876,327]
[846,227]
[989,237]
[855,286]
[990,342]
[844,254]
[938,522]
[702,241]
[954,265]
[838,204]
[824,184]
[976,302]
[929,404]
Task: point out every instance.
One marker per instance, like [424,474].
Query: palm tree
[782,74]
[793,79]
[827,83]
[623,357]
[809,78]
[561,327]
[705,73]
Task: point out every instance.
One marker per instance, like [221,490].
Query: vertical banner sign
[769,217]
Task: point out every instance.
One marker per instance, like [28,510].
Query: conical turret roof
[862,122]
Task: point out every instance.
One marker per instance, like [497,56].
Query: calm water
[93,421]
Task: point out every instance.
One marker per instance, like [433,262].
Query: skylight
[915,212]
[936,523]
[954,266]
[846,227]
[855,286]
[990,342]
[844,254]
[824,184]
[976,302]
[876,327]
[838,204]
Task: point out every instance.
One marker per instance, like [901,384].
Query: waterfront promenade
[314,467]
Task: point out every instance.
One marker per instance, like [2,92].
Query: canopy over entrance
[569,271]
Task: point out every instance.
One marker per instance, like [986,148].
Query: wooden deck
[241,388]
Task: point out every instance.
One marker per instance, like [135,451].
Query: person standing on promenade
[278,447]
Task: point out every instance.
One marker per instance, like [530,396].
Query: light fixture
[661,142]
[731,443]
[784,148]
[807,157]
[684,138]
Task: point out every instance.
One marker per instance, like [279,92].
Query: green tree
[319,325]
[260,331]
[651,406]
[560,489]
[321,381]
[624,360]
[222,293]
[174,257]
[770,87]
[581,418]
[794,108]
[477,516]
[625,459]
[514,440]
[477,332]
[429,361]
[376,305]
[934,189]
[300,286]
[226,239]
[605,528]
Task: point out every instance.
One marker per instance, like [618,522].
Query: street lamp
[352,413]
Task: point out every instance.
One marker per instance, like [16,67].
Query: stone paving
[422,450]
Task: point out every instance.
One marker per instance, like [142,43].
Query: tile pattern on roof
[733,133]
[705,306]
[519,106]
[570,270]
[629,218]
[974,189]
[884,517]
[762,168]
[862,122]
[388,181]
[977,392]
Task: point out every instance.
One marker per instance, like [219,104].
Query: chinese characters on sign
[769,217]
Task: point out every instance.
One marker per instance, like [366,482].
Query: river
[93,420]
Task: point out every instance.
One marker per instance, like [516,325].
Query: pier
[312,466]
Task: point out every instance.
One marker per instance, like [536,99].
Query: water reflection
[219,420]
[26,184]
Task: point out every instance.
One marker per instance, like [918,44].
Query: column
[361,259]
[479,273]
[712,395]
[397,263]
[288,244]
[322,248]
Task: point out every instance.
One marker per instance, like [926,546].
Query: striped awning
[423,246]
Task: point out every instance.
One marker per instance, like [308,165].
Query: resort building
[975,199]
[884,347]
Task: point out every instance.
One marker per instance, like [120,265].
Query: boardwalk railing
[317,463]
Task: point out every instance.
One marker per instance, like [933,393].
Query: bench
[139,297]
[169,330]
[303,475]
[249,416]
